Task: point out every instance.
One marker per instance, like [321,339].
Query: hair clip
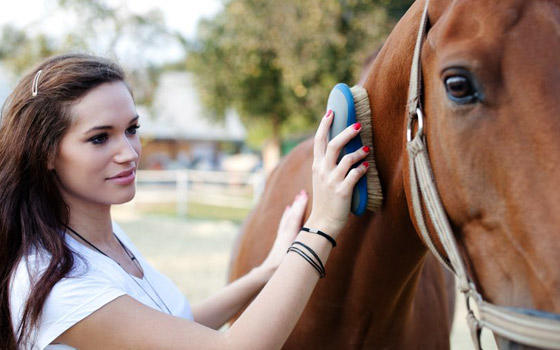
[35,87]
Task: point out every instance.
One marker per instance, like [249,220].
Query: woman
[70,278]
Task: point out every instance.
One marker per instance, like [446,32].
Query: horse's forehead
[486,22]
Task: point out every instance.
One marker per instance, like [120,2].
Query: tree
[275,61]
[19,51]
[106,29]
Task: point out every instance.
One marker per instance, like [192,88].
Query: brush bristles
[363,115]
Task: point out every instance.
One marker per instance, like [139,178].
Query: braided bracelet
[320,233]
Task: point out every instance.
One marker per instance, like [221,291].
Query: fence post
[258,181]
[182,191]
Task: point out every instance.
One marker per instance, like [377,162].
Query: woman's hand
[333,183]
[290,225]
[222,306]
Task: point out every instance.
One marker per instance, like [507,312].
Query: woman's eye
[460,89]
[133,129]
[98,139]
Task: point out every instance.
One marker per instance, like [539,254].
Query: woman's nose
[127,151]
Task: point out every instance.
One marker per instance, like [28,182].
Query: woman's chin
[124,198]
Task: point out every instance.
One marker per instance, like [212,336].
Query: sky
[180,15]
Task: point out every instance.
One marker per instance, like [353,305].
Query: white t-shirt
[88,288]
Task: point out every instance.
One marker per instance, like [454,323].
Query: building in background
[176,133]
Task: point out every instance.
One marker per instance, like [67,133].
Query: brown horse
[490,79]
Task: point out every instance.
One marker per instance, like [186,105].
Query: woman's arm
[216,310]
[126,323]
[271,317]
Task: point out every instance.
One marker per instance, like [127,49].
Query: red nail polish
[366,149]
[357,126]
[329,113]
[366,164]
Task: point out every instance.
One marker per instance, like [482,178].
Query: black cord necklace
[134,261]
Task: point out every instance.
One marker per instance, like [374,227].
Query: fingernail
[366,164]
[302,192]
[365,149]
[357,126]
[329,113]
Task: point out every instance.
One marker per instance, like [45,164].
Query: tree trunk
[271,151]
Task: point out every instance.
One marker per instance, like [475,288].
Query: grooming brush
[351,105]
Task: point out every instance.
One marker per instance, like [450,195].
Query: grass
[193,253]
[195,211]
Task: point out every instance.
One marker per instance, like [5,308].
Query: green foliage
[275,61]
[19,51]
[396,8]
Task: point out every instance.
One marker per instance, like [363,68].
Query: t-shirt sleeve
[70,301]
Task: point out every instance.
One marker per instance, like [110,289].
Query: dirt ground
[195,255]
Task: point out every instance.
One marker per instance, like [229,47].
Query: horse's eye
[460,89]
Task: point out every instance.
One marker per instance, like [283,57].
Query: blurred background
[224,89]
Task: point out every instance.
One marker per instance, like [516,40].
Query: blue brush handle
[341,103]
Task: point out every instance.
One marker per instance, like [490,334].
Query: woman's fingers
[335,145]
[332,183]
[291,220]
[296,215]
[322,137]
[348,161]
[289,227]
[298,206]
[354,176]
[285,218]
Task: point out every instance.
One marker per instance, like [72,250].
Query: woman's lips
[124,178]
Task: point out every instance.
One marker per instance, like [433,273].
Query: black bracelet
[320,263]
[320,233]
[301,253]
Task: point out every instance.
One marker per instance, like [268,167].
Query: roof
[178,114]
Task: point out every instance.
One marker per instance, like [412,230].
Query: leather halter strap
[530,327]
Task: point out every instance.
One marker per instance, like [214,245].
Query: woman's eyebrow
[109,127]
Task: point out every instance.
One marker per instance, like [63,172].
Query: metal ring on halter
[420,117]
[35,85]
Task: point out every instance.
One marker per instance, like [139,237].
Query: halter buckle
[410,126]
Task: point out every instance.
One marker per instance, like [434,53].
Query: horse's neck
[395,250]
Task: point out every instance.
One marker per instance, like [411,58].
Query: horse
[489,76]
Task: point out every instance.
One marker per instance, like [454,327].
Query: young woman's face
[97,157]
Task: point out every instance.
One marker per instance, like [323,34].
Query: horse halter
[529,327]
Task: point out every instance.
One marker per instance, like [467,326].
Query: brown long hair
[32,210]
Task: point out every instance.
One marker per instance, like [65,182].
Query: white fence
[216,188]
